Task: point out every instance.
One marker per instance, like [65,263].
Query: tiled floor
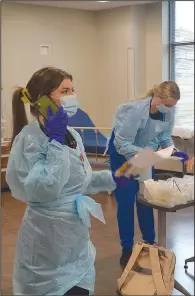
[180,227]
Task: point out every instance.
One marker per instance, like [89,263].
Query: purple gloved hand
[56,125]
[122,181]
[182,155]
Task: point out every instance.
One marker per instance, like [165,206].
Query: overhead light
[103,1]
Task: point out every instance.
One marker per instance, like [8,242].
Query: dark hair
[43,82]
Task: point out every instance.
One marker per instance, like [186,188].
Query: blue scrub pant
[125,198]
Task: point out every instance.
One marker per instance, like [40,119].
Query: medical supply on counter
[169,193]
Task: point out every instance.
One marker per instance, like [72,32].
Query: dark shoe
[125,259]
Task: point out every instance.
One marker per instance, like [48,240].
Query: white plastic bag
[185,185]
[144,176]
[168,193]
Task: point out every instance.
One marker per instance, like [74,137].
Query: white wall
[121,43]
[100,49]
[113,27]
[133,53]
[165,41]
[72,37]
[156,42]
[138,17]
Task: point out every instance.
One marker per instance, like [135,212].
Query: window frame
[172,43]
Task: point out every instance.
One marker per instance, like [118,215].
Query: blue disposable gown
[54,251]
[134,129]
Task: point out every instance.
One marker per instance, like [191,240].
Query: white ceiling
[84,5]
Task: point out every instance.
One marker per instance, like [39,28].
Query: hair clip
[26,96]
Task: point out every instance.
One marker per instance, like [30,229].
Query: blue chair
[94,142]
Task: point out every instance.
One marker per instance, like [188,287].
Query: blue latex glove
[56,125]
[182,155]
[122,181]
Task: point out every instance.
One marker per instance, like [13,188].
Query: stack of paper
[144,160]
[147,157]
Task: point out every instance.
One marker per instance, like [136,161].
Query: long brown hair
[164,89]
[43,82]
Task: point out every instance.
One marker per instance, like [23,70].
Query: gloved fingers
[122,181]
[62,115]
[59,119]
[184,159]
[126,178]
[59,114]
[178,153]
[182,155]
[130,177]
[60,111]
[49,112]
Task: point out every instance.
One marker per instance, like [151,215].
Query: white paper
[165,153]
[148,158]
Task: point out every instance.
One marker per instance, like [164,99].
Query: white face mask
[69,104]
[163,109]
